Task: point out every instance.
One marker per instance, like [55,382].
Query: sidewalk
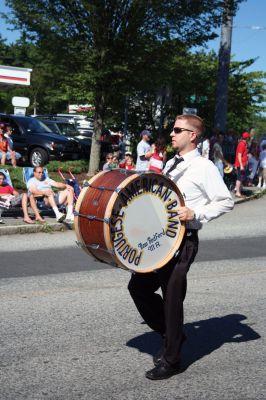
[16,225]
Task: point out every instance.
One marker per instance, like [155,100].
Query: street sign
[20,101]
[20,110]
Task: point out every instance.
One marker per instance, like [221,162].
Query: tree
[115,35]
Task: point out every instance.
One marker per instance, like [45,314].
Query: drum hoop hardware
[110,189]
[94,246]
[92,217]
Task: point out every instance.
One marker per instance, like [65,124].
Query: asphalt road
[69,330]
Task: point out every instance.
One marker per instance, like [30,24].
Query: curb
[34,228]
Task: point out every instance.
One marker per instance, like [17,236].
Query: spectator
[129,164]
[11,197]
[108,162]
[11,154]
[144,152]
[263,141]
[3,146]
[128,155]
[218,157]
[158,157]
[229,145]
[241,162]
[38,186]
[253,161]
[262,168]
[115,162]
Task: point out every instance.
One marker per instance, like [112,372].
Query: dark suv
[65,128]
[37,143]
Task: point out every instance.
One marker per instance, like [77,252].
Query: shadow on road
[203,337]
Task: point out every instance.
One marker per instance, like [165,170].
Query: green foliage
[76,167]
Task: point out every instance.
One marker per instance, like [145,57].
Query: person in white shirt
[144,151]
[262,168]
[218,157]
[206,197]
[38,186]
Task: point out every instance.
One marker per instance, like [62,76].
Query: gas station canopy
[10,76]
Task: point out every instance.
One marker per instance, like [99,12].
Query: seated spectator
[42,187]
[129,164]
[10,197]
[108,162]
[11,154]
[3,146]
[128,155]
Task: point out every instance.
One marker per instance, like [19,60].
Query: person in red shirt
[3,146]
[241,162]
[8,194]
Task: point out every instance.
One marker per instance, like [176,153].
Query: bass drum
[130,219]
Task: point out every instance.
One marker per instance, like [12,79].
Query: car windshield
[52,127]
[67,129]
[34,125]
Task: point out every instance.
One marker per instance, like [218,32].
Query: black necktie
[177,161]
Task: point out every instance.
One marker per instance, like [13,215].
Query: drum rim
[107,230]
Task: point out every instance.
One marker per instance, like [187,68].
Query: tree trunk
[95,155]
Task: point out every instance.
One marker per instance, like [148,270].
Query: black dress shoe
[163,371]
[158,356]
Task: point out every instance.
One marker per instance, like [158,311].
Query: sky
[248,39]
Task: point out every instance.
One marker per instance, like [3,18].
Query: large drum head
[145,229]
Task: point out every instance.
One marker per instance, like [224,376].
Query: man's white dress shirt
[202,187]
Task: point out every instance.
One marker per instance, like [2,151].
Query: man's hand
[47,192]
[185,214]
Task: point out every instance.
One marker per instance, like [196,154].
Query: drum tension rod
[92,217]
[117,190]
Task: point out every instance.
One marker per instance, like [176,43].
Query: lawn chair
[8,208]
[43,208]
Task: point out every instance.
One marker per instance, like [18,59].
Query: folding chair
[5,208]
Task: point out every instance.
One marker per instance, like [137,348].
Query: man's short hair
[38,166]
[194,121]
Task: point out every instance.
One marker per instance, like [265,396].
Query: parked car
[84,124]
[67,129]
[37,143]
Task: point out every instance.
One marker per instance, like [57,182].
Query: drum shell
[94,201]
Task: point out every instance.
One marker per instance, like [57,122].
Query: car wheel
[38,157]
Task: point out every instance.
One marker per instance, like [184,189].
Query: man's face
[1,180]
[183,141]
[146,138]
[38,173]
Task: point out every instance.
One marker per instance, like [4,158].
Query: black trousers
[164,314]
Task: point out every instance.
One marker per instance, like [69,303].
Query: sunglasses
[179,130]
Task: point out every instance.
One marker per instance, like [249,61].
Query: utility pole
[220,118]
